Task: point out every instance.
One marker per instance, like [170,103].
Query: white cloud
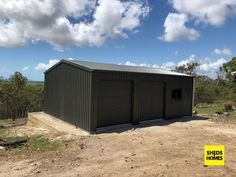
[51,21]
[45,66]
[176,29]
[208,12]
[207,66]
[213,12]
[224,51]
[25,68]
[210,67]
[214,65]
[169,65]
[191,59]
[129,63]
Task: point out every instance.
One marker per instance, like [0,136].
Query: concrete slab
[54,124]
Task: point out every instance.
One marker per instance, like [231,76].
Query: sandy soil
[166,148]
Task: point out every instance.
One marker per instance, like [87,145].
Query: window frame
[176,94]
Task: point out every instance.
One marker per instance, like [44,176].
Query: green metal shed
[93,95]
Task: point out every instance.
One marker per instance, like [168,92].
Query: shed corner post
[193,96]
[93,102]
[44,93]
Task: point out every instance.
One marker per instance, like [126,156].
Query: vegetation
[40,143]
[24,145]
[209,109]
[30,145]
[189,68]
[229,68]
[207,90]
[214,97]
[17,98]
[2,130]
[10,123]
[212,109]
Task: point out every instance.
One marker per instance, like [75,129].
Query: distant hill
[35,82]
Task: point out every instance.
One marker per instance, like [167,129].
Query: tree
[34,94]
[189,68]
[16,101]
[221,76]
[204,90]
[18,80]
[229,68]
[17,97]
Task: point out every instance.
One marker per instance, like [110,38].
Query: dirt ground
[166,148]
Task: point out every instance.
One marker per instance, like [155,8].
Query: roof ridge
[91,66]
[113,67]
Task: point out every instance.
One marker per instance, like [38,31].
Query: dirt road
[163,149]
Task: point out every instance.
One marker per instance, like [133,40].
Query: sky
[36,34]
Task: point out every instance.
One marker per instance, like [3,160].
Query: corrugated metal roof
[92,66]
[123,68]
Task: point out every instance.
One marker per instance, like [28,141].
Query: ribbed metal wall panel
[71,94]
[172,108]
[68,95]
[53,90]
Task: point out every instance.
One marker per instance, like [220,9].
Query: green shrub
[228,106]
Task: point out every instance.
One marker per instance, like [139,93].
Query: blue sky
[156,33]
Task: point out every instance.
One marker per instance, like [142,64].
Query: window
[176,94]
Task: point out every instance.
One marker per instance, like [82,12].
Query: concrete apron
[54,124]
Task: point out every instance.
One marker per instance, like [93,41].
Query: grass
[10,122]
[211,109]
[5,123]
[41,144]
[231,117]
[34,145]
[2,131]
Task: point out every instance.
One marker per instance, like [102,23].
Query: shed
[94,95]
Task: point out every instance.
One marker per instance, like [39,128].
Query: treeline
[17,97]
[207,90]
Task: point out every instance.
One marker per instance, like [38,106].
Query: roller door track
[114,103]
[150,98]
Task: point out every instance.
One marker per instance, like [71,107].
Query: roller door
[150,100]
[114,103]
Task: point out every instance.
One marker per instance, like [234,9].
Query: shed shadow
[156,122]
